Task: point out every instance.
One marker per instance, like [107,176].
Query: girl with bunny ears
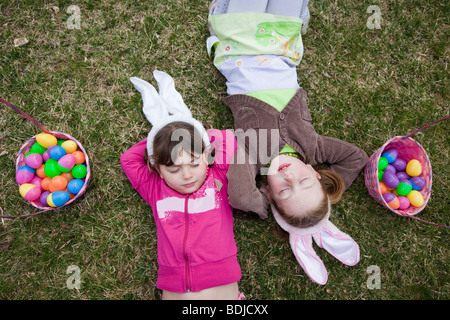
[197,253]
[258,46]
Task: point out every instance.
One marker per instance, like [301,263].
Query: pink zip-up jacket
[196,246]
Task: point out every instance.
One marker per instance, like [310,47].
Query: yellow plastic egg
[415,198]
[414,168]
[46,140]
[69,145]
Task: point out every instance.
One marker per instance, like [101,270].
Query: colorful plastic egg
[79,157]
[403,202]
[70,146]
[382,163]
[414,168]
[391,200]
[24,174]
[383,188]
[37,148]
[402,175]
[390,155]
[41,171]
[68,176]
[79,171]
[75,186]
[58,198]
[58,183]
[51,168]
[43,198]
[399,164]
[416,198]
[66,163]
[417,183]
[29,191]
[390,180]
[404,187]
[33,160]
[46,139]
[57,152]
[45,156]
[380,175]
[37,181]
[45,183]
[390,168]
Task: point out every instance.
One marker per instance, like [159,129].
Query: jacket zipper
[186,232]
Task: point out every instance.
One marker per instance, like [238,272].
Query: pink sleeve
[136,169]
[224,144]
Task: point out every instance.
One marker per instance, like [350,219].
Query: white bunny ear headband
[327,236]
[164,107]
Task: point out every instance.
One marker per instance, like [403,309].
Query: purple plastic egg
[417,183]
[390,168]
[399,164]
[402,175]
[43,198]
[390,180]
[24,174]
[404,202]
[33,160]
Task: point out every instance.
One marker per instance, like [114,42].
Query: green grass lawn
[364,86]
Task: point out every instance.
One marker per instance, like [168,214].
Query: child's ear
[265,189]
[157,169]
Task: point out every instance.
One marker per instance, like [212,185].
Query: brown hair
[333,188]
[173,138]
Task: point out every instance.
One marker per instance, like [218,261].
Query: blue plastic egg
[74,186]
[57,152]
[390,155]
[57,198]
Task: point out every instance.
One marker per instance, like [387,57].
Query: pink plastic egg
[24,174]
[404,202]
[29,191]
[37,182]
[45,156]
[33,160]
[66,163]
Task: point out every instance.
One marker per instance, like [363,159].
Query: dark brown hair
[333,188]
[173,138]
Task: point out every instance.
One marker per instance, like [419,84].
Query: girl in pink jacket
[197,253]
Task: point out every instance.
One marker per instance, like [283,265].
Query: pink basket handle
[15,108]
[428,125]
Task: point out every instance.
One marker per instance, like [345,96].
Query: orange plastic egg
[58,183]
[40,171]
[45,183]
[68,176]
[79,157]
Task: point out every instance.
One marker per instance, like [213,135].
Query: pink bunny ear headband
[327,236]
